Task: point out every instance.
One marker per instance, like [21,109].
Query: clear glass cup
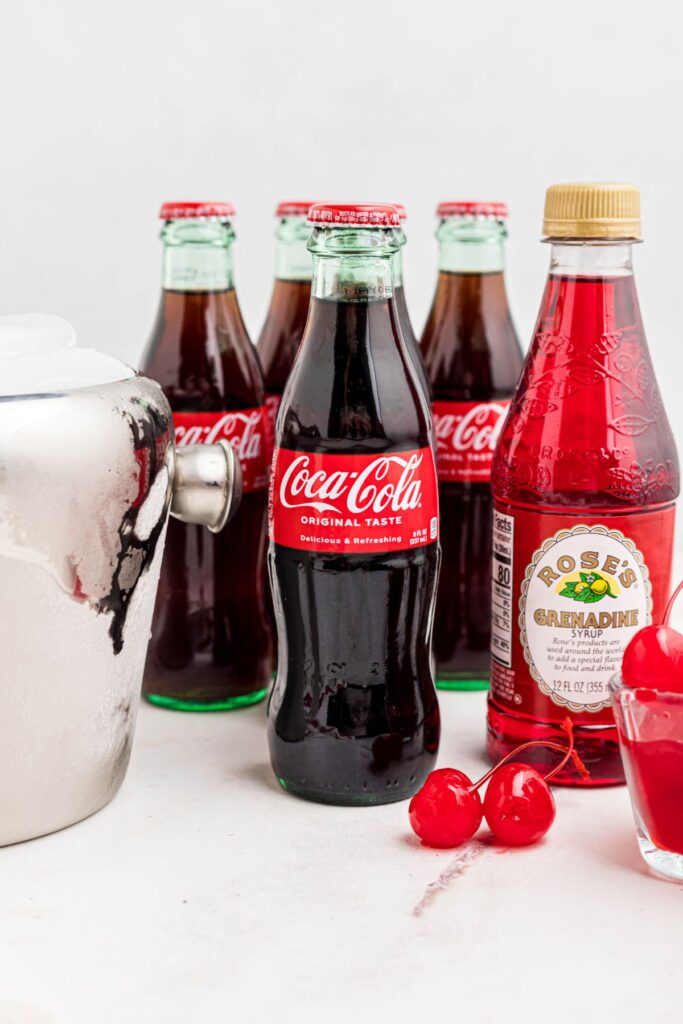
[650,728]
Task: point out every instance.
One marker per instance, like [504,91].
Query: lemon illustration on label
[591,587]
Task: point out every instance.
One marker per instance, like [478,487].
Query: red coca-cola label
[353,503]
[568,592]
[466,435]
[247,431]
[272,404]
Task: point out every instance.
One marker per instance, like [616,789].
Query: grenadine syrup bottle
[411,343]
[211,640]
[473,360]
[584,480]
[354,553]
[284,325]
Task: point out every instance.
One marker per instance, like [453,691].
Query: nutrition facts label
[501,588]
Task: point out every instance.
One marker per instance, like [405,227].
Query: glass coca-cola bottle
[404,320]
[473,360]
[211,638]
[585,477]
[354,553]
[284,325]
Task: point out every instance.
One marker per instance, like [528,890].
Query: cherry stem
[578,763]
[568,752]
[670,606]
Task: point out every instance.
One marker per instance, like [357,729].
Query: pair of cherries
[518,805]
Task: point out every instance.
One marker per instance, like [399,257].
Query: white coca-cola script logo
[369,490]
[476,430]
[242,430]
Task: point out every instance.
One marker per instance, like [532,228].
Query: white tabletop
[205,894]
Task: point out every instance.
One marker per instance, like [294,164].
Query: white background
[108,109]
[201,894]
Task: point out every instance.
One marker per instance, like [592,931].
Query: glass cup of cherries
[648,708]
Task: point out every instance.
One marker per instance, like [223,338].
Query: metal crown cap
[185,211]
[354,215]
[472,209]
[602,209]
[293,208]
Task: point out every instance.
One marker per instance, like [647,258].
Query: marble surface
[204,894]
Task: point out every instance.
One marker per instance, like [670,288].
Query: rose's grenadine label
[466,435]
[247,430]
[353,503]
[568,592]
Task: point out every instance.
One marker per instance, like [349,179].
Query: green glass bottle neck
[471,245]
[292,258]
[197,256]
[397,258]
[353,264]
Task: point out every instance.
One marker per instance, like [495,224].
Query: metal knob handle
[207,485]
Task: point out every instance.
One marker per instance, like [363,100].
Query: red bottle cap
[401,210]
[183,211]
[293,208]
[476,209]
[374,215]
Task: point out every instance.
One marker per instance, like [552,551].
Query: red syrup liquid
[586,447]
[655,775]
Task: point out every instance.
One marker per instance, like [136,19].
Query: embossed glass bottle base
[349,798]
[465,683]
[229,704]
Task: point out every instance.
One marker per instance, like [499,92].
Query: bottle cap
[293,208]
[400,210]
[608,209]
[184,211]
[472,209]
[372,215]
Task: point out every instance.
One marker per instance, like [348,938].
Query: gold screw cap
[608,209]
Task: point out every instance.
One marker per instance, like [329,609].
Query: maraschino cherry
[654,656]
[447,810]
[518,805]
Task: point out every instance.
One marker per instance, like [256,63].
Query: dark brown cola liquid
[472,354]
[281,335]
[411,342]
[211,640]
[353,717]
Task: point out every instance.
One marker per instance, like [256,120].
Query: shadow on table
[620,848]
[259,772]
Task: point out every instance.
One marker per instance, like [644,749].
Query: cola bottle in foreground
[284,325]
[585,477]
[354,553]
[473,360]
[404,320]
[211,639]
